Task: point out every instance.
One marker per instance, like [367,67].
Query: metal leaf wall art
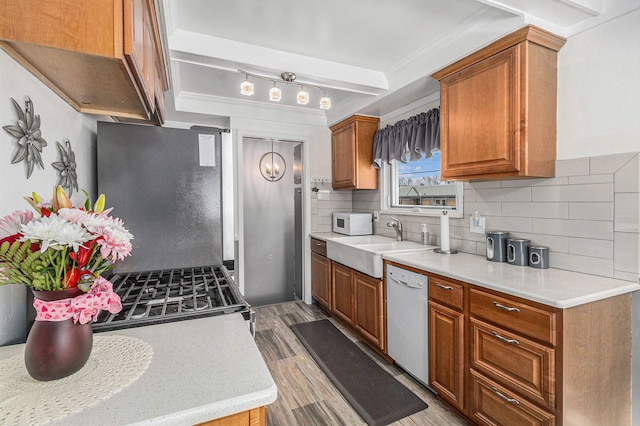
[30,141]
[66,167]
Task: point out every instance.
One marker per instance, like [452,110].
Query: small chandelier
[272,165]
[275,93]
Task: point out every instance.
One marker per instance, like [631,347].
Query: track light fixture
[275,93]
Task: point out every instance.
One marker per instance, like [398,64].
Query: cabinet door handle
[505,308]
[504,339]
[506,398]
[444,287]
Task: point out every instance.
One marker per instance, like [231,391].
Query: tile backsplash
[325,202]
[588,215]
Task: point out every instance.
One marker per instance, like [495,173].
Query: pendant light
[246,88]
[303,96]
[272,165]
[275,94]
[325,102]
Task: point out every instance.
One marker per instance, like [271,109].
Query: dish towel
[115,363]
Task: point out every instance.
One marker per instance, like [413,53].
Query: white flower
[55,232]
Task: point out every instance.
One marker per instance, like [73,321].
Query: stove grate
[172,295]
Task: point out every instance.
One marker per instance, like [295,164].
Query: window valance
[408,140]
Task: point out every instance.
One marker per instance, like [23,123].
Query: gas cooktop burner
[172,295]
[188,305]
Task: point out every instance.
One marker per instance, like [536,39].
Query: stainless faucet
[397,225]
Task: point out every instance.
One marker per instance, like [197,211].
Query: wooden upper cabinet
[352,153]
[101,56]
[498,109]
[139,46]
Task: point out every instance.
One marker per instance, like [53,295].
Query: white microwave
[353,223]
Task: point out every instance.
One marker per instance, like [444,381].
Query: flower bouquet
[59,253]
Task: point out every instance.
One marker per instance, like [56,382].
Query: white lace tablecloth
[115,363]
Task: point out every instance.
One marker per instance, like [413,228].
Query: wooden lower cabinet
[321,280]
[342,292]
[532,364]
[446,353]
[253,417]
[359,301]
[493,405]
[504,360]
[523,365]
[369,308]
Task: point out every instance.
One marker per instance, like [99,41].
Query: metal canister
[497,246]
[539,257]
[518,251]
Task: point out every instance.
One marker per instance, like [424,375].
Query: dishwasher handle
[408,284]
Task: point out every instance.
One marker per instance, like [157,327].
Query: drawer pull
[318,244]
[504,339]
[506,398]
[444,287]
[505,308]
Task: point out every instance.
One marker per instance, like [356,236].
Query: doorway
[272,220]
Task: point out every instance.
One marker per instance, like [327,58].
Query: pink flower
[74,215]
[10,225]
[115,241]
[76,244]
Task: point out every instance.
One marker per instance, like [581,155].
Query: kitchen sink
[364,239]
[393,246]
[364,253]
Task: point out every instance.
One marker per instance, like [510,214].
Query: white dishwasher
[407,321]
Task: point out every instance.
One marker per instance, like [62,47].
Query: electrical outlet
[376,216]
[476,229]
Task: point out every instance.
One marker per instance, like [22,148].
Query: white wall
[59,121]
[599,114]
[599,90]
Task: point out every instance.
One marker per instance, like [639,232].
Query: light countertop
[202,369]
[324,236]
[553,287]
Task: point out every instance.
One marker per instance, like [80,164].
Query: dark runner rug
[376,395]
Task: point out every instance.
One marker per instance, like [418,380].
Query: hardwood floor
[305,395]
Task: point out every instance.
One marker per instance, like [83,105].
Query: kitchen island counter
[552,287]
[201,369]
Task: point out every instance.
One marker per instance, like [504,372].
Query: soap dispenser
[425,234]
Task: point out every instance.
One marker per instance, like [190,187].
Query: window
[415,188]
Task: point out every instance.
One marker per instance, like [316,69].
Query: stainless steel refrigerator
[165,184]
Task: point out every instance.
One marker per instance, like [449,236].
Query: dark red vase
[57,349]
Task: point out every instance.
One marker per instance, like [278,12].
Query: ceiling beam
[228,54]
